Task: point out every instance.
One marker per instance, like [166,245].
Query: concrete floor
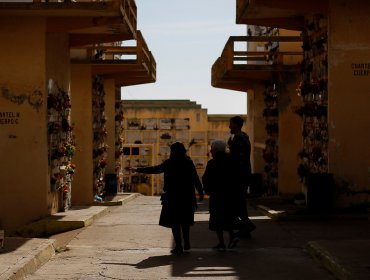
[125,242]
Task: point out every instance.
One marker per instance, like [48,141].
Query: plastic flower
[70,150]
[71,168]
[61,151]
[102,163]
[66,188]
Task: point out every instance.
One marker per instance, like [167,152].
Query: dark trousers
[176,232]
[247,225]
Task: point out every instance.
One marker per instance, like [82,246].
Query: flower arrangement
[61,142]
[69,150]
[66,189]
[270,153]
[102,163]
[71,168]
[99,135]
[119,142]
[313,89]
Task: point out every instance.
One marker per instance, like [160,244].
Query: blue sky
[186,38]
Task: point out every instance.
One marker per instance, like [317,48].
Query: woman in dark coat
[179,200]
[220,183]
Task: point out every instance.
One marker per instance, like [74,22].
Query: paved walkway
[127,243]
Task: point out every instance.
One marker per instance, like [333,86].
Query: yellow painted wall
[219,126]
[24,182]
[290,124]
[197,117]
[195,122]
[250,124]
[349,92]
[290,136]
[290,47]
[81,98]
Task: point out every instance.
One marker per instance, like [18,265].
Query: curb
[57,224]
[31,262]
[130,197]
[121,201]
[327,260]
[293,216]
[354,269]
[273,214]
[64,221]
[34,257]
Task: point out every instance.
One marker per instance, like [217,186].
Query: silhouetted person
[240,152]
[179,200]
[220,181]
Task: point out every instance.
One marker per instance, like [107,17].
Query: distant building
[162,122]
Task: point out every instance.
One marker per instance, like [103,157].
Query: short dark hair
[237,120]
[178,148]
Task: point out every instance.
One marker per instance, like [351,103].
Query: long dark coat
[180,178]
[240,152]
[221,184]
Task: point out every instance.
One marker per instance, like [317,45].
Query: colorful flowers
[71,168]
[102,163]
[66,189]
[69,150]
[61,142]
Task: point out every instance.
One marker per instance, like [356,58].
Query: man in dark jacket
[240,152]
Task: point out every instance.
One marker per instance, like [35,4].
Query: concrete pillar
[250,123]
[290,135]
[30,57]
[349,87]
[23,142]
[81,98]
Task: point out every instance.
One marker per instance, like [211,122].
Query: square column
[81,98]
[348,101]
[290,136]
[30,58]
[256,127]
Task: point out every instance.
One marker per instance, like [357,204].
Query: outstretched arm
[156,169]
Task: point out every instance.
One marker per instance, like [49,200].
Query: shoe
[219,247]
[177,251]
[233,242]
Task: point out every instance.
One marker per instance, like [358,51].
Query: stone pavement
[22,256]
[127,243]
[339,240]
